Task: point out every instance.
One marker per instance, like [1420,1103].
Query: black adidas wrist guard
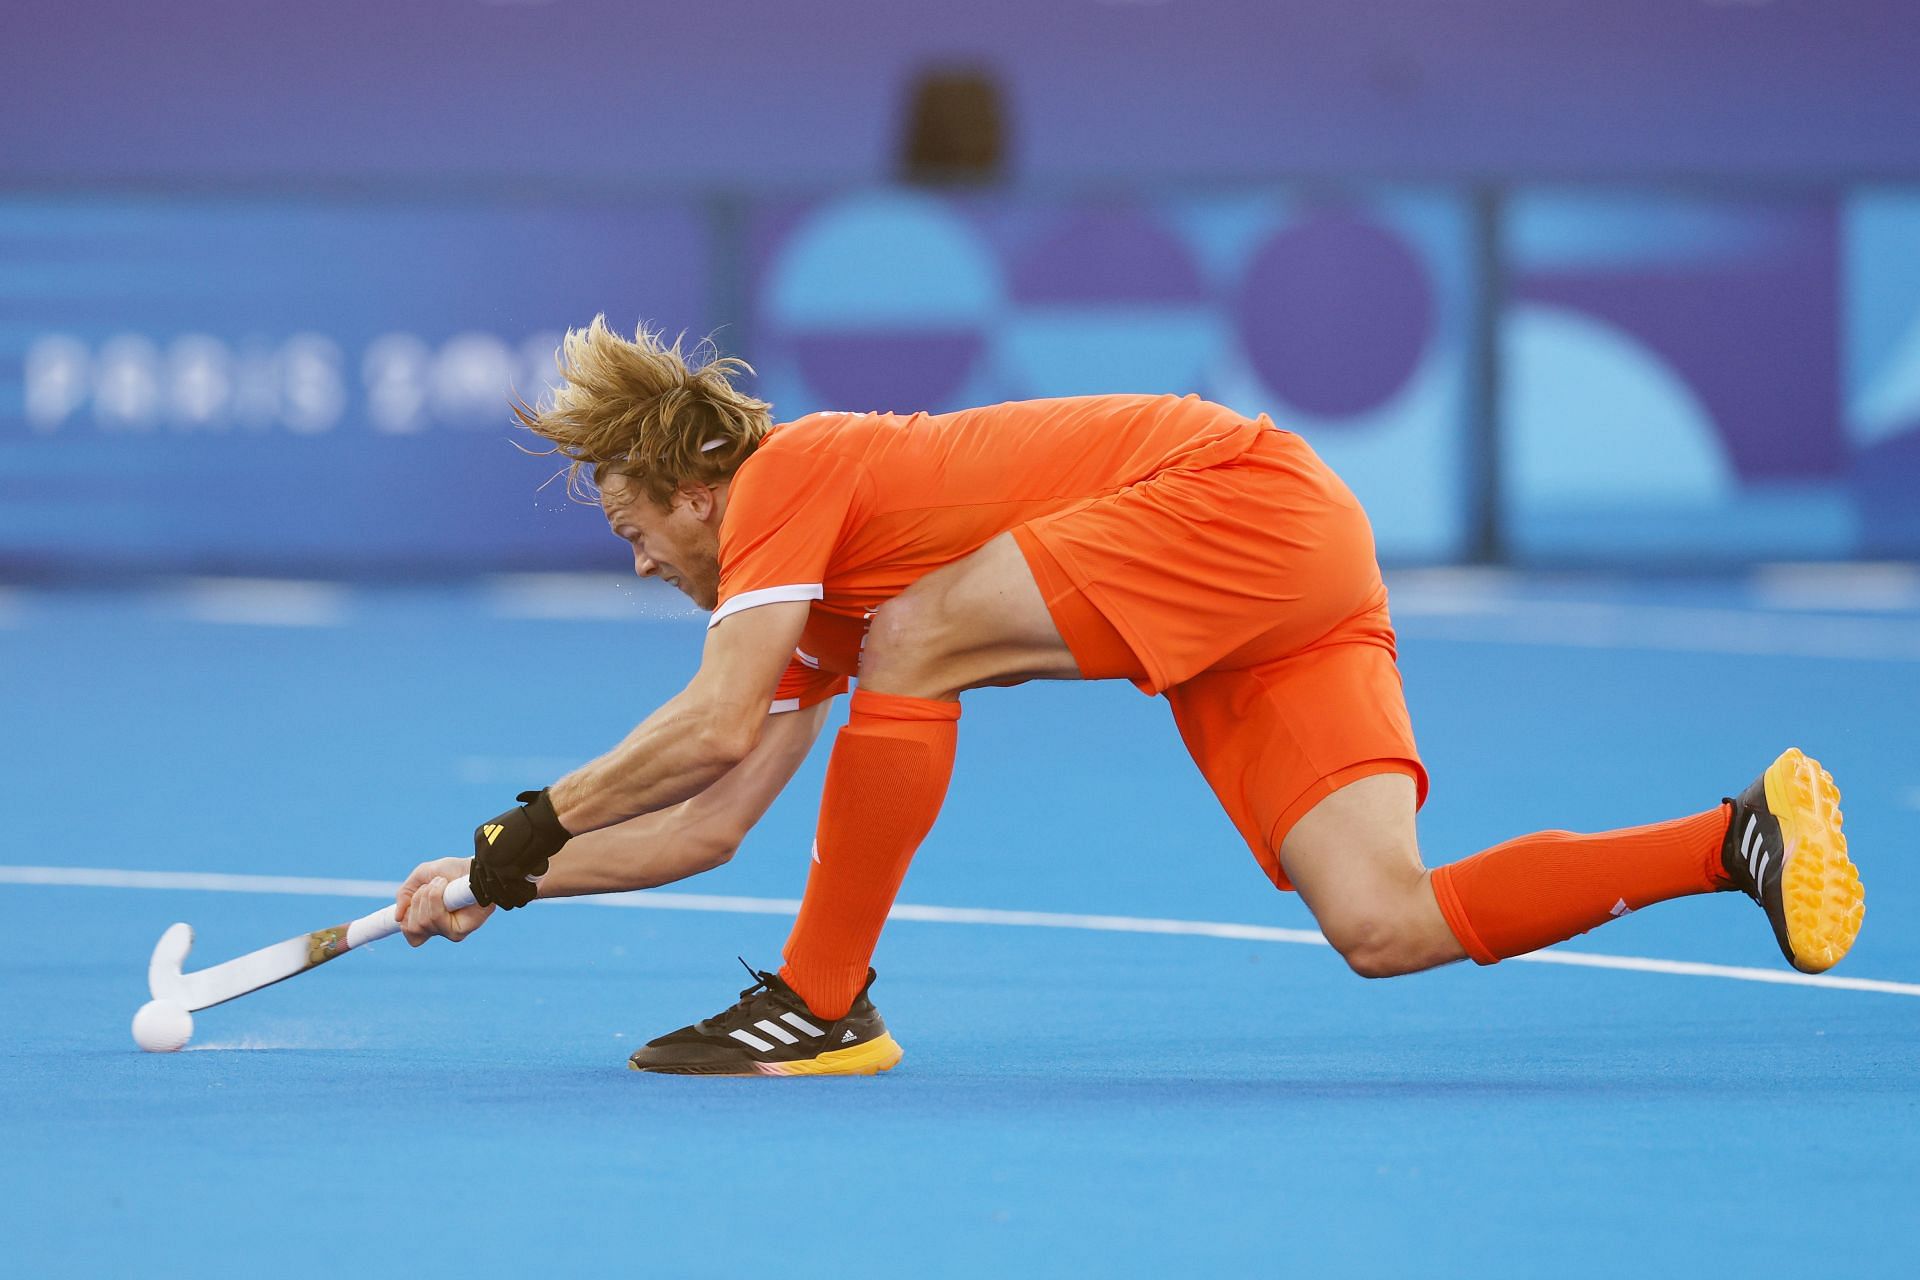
[511,852]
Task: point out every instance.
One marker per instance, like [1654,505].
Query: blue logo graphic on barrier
[295,385]
[1679,380]
[1346,321]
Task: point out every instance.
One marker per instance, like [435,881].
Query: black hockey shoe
[1785,850]
[771,1032]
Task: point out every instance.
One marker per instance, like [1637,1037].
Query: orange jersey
[849,509]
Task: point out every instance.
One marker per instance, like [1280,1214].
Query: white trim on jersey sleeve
[766,595]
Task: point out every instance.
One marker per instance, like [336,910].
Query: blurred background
[1608,309]
[1551,282]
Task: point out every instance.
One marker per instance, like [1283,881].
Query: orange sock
[1544,888]
[885,783]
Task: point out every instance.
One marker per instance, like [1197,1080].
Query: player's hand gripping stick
[277,963]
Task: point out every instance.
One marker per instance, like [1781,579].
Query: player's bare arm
[677,752]
[701,733]
[695,835]
[658,848]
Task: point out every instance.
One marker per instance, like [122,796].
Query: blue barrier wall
[1710,378]
[293,385]
[1347,320]
[1598,280]
[282,384]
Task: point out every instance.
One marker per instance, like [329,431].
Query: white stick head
[169,958]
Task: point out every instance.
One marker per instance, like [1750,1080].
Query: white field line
[657,900]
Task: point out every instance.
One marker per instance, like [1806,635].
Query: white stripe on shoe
[751,1040]
[801,1024]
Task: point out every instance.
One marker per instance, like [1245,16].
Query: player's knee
[1369,952]
[1380,962]
[915,621]
[1375,942]
[905,644]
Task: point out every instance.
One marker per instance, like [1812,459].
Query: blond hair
[646,410]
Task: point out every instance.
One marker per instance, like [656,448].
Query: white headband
[711,445]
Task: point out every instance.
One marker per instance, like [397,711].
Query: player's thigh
[978,621]
[1276,740]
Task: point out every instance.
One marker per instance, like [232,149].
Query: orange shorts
[1247,593]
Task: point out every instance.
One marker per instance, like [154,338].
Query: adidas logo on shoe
[848,1038]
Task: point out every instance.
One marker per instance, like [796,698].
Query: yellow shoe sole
[1820,890]
[866,1059]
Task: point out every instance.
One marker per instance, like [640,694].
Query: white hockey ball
[162,1026]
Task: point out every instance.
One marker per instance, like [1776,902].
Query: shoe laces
[762,980]
[763,985]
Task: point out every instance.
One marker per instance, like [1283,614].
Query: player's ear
[697,498]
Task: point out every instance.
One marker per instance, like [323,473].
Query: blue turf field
[1072,1100]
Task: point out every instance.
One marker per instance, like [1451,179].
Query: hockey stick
[234,978]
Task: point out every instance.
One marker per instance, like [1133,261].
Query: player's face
[679,544]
